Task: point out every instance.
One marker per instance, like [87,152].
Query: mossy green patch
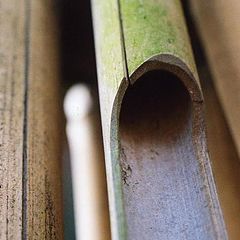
[108,42]
[154,27]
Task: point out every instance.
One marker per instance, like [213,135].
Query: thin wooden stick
[31,122]
[87,164]
[160,182]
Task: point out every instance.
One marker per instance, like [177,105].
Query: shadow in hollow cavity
[163,191]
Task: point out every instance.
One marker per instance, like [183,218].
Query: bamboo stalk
[30,194]
[160,185]
[218,25]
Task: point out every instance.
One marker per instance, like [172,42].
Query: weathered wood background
[218,25]
[222,148]
[31,121]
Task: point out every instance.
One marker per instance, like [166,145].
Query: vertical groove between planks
[25,119]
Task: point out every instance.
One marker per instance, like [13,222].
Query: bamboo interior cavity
[161,176]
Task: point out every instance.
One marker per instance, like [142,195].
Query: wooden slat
[218,24]
[225,161]
[223,154]
[44,124]
[12,78]
[172,193]
[31,122]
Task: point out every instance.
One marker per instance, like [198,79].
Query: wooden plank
[44,124]
[12,57]
[225,161]
[31,122]
[223,154]
[218,24]
[159,176]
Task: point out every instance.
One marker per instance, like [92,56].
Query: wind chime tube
[160,181]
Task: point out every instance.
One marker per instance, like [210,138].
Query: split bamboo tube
[218,25]
[30,133]
[159,176]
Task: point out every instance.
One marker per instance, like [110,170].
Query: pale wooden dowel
[218,25]
[31,122]
[87,164]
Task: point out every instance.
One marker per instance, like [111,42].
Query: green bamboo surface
[131,38]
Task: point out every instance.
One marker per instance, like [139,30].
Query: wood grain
[133,39]
[12,57]
[218,25]
[223,154]
[30,193]
[225,162]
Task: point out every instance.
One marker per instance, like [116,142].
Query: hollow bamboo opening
[161,176]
